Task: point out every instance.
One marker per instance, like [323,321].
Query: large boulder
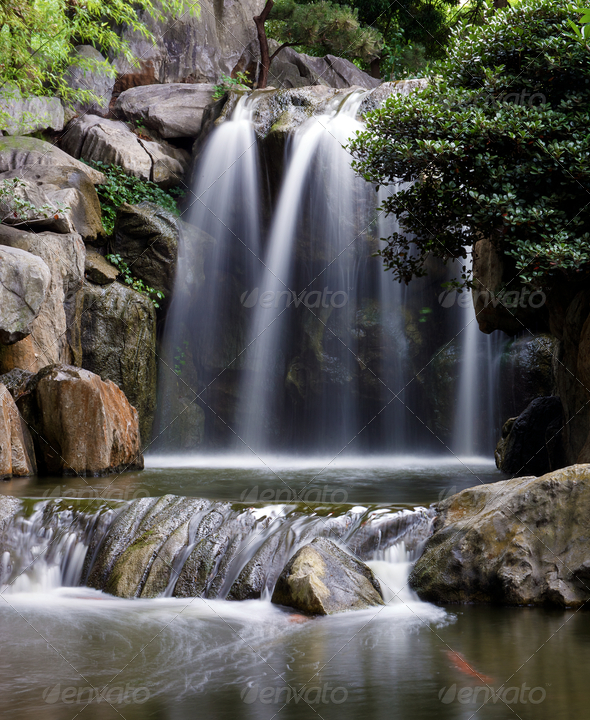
[94,138]
[190,49]
[85,73]
[82,424]
[173,110]
[321,579]
[114,336]
[519,542]
[17,456]
[28,154]
[531,443]
[47,343]
[69,188]
[24,281]
[146,237]
[22,116]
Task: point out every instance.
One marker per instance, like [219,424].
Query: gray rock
[64,256]
[85,73]
[16,381]
[24,282]
[69,187]
[321,579]
[146,237]
[99,270]
[93,138]
[519,542]
[27,154]
[191,49]
[531,443]
[114,336]
[22,116]
[172,110]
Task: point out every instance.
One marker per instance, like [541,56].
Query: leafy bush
[227,83]
[122,188]
[133,282]
[496,146]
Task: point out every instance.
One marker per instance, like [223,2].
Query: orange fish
[461,664]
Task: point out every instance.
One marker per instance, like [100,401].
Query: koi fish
[461,664]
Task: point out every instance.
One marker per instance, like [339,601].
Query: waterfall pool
[75,651]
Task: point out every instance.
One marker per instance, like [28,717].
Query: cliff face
[564,312]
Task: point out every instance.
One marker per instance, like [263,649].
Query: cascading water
[184,547]
[299,342]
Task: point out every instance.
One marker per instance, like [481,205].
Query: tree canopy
[37,38]
[496,146]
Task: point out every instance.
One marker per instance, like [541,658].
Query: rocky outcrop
[28,154]
[146,237]
[93,138]
[519,542]
[190,49]
[82,425]
[321,579]
[174,110]
[16,381]
[22,116]
[531,443]
[98,269]
[47,343]
[114,336]
[24,281]
[86,74]
[17,456]
[65,187]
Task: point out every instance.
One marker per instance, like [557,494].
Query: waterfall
[285,335]
[187,547]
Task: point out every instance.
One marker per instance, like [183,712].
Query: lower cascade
[187,547]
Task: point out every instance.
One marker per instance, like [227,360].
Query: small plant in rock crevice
[16,209]
[227,83]
[135,283]
[122,188]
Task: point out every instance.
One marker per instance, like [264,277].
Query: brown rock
[83,425]
[16,446]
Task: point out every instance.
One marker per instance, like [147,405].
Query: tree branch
[278,50]
[259,21]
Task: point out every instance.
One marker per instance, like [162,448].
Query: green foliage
[582,28]
[180,357]
[496,146]
[122,188]
[15,209]
[37,38]
[227,83]
[133,282]
[324,27]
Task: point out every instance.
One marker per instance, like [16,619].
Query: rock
[146,237]
[321,579]
[82,425]
[16,381]
[519,542]
[64,256]
[22,116]
[93,138]
[114,336]
[526,372]
[24,282]
[85,74]
[28,154]
[531,443]
[17,457]
[172,110]
[190,49]
[71,188]
[99,270]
